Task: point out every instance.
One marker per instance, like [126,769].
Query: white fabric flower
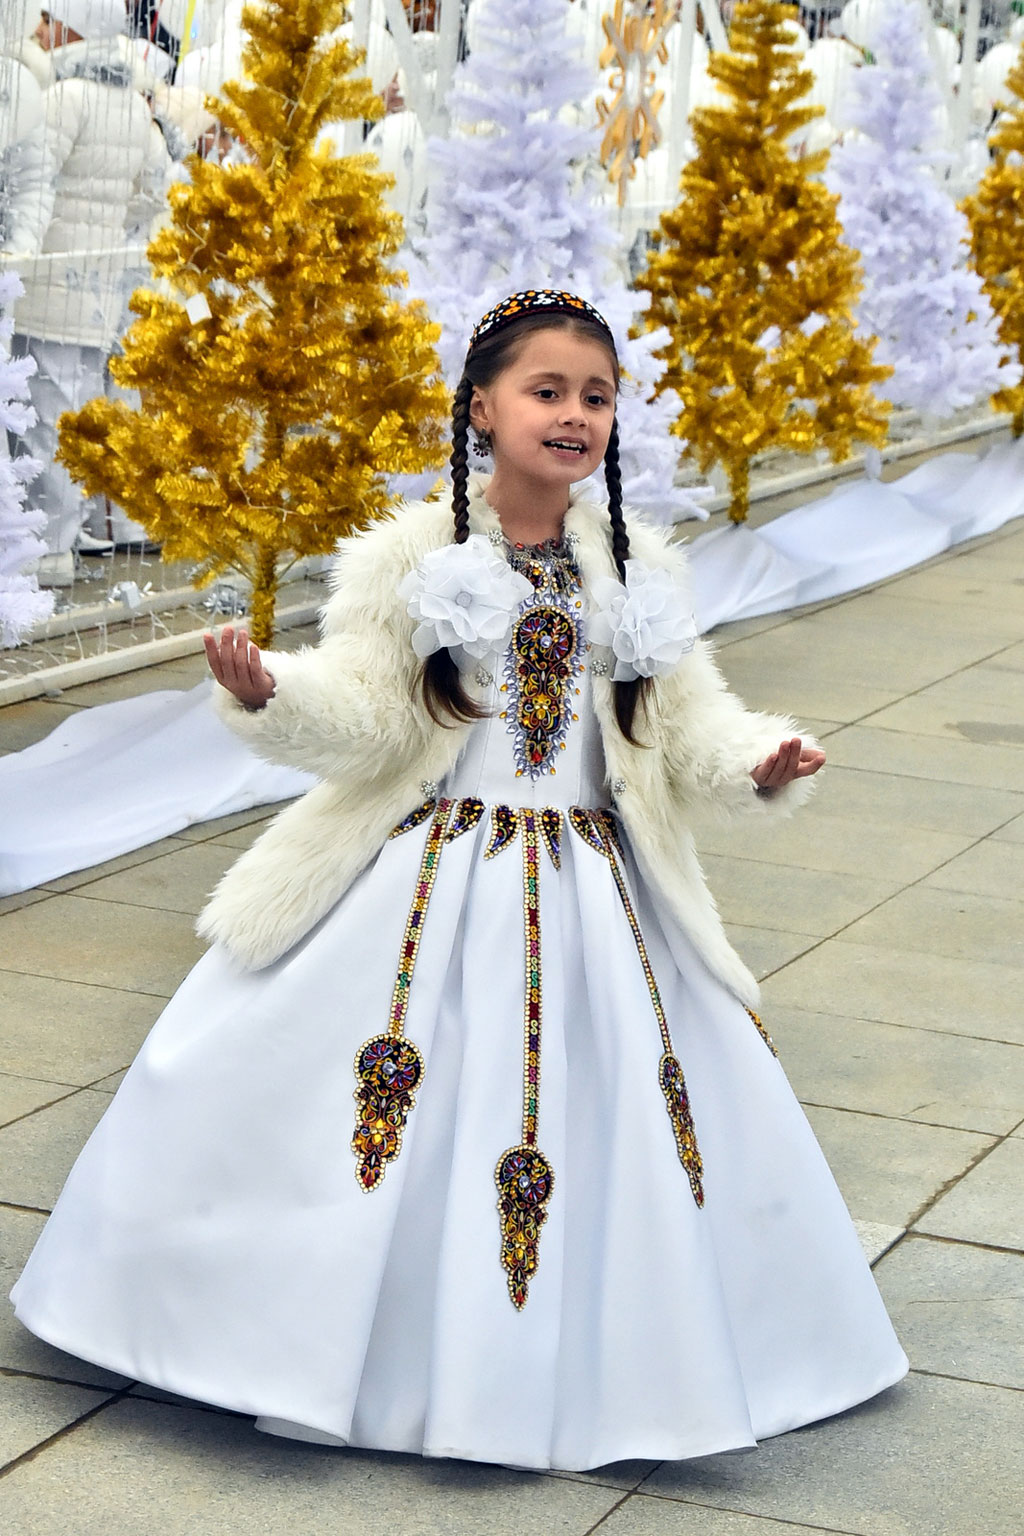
[464,598]
[646,622]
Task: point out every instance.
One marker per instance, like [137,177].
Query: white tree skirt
[117,776]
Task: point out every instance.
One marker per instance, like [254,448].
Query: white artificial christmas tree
[21,602]
[934,324]
[513,203]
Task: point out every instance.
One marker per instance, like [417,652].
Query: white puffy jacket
[87,187]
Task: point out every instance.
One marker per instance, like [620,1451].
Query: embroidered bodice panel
[540,744]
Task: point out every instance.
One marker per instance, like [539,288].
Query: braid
[628,696]
[460,459]
[613,480]
[443,692]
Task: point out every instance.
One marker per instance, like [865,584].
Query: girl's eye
[546,394]
[596,400]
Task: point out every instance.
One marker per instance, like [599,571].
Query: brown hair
[445,697]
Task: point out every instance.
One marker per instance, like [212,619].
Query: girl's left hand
[792,761]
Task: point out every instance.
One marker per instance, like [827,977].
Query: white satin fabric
[212,1238]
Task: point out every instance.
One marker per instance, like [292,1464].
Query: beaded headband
[535,301]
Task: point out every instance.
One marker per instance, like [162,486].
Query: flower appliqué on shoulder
[545,657]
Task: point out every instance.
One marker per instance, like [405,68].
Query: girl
[566,1210]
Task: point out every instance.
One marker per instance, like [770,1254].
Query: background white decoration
[21,602]
[928,309]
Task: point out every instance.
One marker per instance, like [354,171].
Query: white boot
[87,544]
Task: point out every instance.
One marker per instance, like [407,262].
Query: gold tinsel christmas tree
[996,214]
[751,277]
[281,376]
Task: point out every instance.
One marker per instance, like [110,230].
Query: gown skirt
[213,1238]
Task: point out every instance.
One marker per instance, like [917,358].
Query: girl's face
[550,411]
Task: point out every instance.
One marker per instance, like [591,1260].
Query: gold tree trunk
[739,485]
[264,596]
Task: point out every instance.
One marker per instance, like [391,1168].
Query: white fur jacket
[351,711]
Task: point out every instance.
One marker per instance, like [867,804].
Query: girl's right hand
[237,665]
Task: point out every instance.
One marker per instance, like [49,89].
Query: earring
[482,442]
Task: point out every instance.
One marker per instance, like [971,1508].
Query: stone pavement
[886,921]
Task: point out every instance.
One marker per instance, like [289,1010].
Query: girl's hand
[236,664]
[791,761]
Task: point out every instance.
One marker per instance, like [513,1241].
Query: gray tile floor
[886,922]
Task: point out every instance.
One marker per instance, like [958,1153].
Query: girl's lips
[566,447]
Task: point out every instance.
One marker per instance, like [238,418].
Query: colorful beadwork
[525,1182]
[551,831]
[583,824]
[530,301]
[504,830]
[541,667]
[465,817]
[673,1086]
[386,1070]
[599,830]
[505,820]
[549,566]
[414,819]
[765,1036]
[523,1175]
[531,933]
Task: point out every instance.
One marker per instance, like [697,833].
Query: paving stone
[876,1238]
[942,598]
[143,1466]
[22,725]
[179,675]
[988,869]
[957,995]
[846,845]
[20,899]
[643,1515]
[951,923]
[928,1458]
[958,1308]
[926,757]
[81,877]
[799,693]
[221,826]
[20,1095]
[888,1169]
[842,643]
[764,950]
[110,1084]
[38,1040]
[876,799]
[906,1074]
[19,1349]
[952,586]
[1012,832]
[105,943]
[244,837]
[36,1154]
[30,1412]
[178,881]
[811,901]
[988,1205]
[972,705]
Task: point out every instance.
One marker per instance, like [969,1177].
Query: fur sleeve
[350,705]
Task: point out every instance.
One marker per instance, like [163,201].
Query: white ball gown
[567,1211]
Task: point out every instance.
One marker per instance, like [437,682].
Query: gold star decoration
[636,32]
